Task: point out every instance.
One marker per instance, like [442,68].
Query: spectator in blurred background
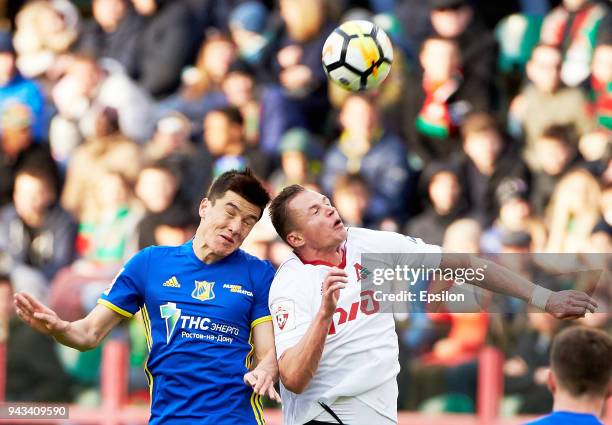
[351,197]
[239,90]
[200,89]
[572,26]
[601,83]
[224,138]
[457,20]
[546,102]
[296,150]
[379,156]
[557,153]
[18,147]
[445,203]
[526,368]
[173,227]
[300,98]
[170,140]
[440,99]
[88,87]
[573,212]
[447,365]
[113,33]
[45,30]
[596,149]
[110,237]
[515,216]
[579,379]
[164,45]
[489,158]
[14,88]
[33,370]
[35,231]
[157,189]
[107,149]
[254,33]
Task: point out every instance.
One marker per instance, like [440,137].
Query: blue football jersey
[567,418]
[198,319]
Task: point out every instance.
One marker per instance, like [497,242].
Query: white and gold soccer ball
[357,55]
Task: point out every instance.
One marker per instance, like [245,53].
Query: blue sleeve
[263,279]
[125,294]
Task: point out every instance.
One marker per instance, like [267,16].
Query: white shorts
[353,411]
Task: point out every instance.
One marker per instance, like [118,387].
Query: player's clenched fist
[335,280]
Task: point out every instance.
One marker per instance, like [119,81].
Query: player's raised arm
[84,334]
[568,304]
[298,364]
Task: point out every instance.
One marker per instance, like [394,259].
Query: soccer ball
[357,55]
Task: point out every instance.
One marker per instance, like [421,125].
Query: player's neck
[589,405]
[203,252]
[331,255]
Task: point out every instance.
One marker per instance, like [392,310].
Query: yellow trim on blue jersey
[150,382]
[257,410]
[114,308]
[262,319]
[249,357]
[147,322]
[149,337]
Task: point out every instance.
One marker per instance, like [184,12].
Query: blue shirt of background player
[198,319]
[567,418]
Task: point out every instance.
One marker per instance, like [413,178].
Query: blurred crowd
[490,135]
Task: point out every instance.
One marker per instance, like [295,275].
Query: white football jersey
[360,358]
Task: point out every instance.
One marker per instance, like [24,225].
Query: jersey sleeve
[125,294]
[260,312]
[291,307]
[416,253]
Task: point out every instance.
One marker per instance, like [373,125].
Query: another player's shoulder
[289,267]
[559,418]
[292,275]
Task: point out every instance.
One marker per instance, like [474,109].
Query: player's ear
[295,239]
[550,381]
[204,205]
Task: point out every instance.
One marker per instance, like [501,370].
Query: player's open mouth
[338,223]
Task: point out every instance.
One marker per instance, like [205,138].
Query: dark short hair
[479,122]
[348,180]
[41,170]
[564,133]
[581,359]
[232,114]
[243,183]
[279,210]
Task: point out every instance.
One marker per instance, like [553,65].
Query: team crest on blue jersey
[203,290]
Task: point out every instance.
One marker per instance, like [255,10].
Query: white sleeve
[291,306]
[416,253]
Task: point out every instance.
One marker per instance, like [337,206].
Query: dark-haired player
[580,376]
[205,310]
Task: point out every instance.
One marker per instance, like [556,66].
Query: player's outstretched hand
[571,304]
[335,280]
[262,383]
[37,315]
